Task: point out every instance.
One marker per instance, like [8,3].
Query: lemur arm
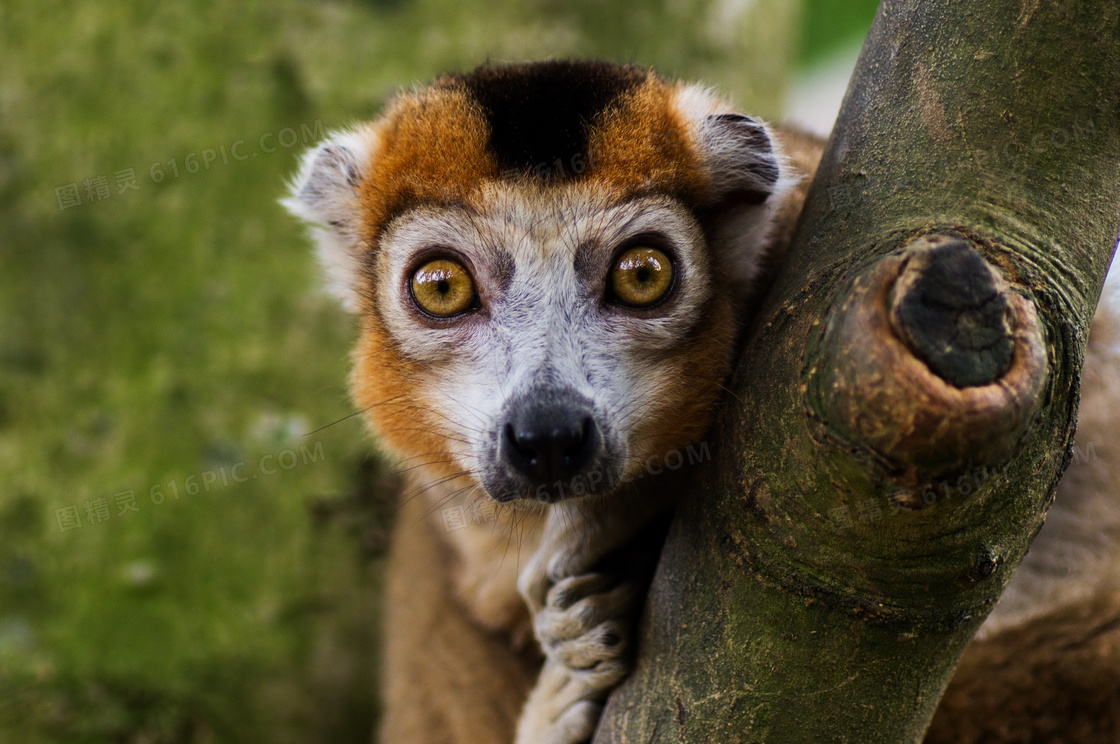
[584,609]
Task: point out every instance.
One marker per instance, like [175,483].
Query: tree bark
[907,398]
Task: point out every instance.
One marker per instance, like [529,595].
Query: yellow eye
[641,277]
[443,288]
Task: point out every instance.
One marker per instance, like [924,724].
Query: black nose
[546,444]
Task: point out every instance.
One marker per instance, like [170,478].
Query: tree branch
[908,393]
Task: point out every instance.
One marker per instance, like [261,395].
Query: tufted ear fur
[324,194]
[749,179]
[742,163]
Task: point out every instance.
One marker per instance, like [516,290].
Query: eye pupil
[443,287]
[643,275]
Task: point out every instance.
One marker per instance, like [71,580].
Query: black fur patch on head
[539,113]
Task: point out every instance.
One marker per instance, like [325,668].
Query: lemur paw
[583,625]
[562,709]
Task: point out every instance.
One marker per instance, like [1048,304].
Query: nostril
[572,442]
[521,444]
[586,429]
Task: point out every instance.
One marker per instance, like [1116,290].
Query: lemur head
[548,260]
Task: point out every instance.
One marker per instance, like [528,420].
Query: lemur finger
[541,587]
[599,658]
[554,625]
[568,591]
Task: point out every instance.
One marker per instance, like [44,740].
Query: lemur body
[551,263]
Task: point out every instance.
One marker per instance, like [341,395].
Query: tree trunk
[907,400]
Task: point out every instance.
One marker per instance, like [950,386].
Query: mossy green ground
[168,334]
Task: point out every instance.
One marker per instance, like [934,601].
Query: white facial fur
[548,326]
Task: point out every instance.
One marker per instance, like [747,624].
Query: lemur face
[547,260]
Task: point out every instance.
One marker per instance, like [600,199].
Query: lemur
[551,264]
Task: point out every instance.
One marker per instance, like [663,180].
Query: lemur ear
[742,162]
[324,194]
[748,177]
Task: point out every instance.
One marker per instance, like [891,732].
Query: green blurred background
[180,559]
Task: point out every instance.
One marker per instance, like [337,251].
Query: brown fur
[445,679]
[640,145]
[385,385]
[1055,680]
[406,169]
